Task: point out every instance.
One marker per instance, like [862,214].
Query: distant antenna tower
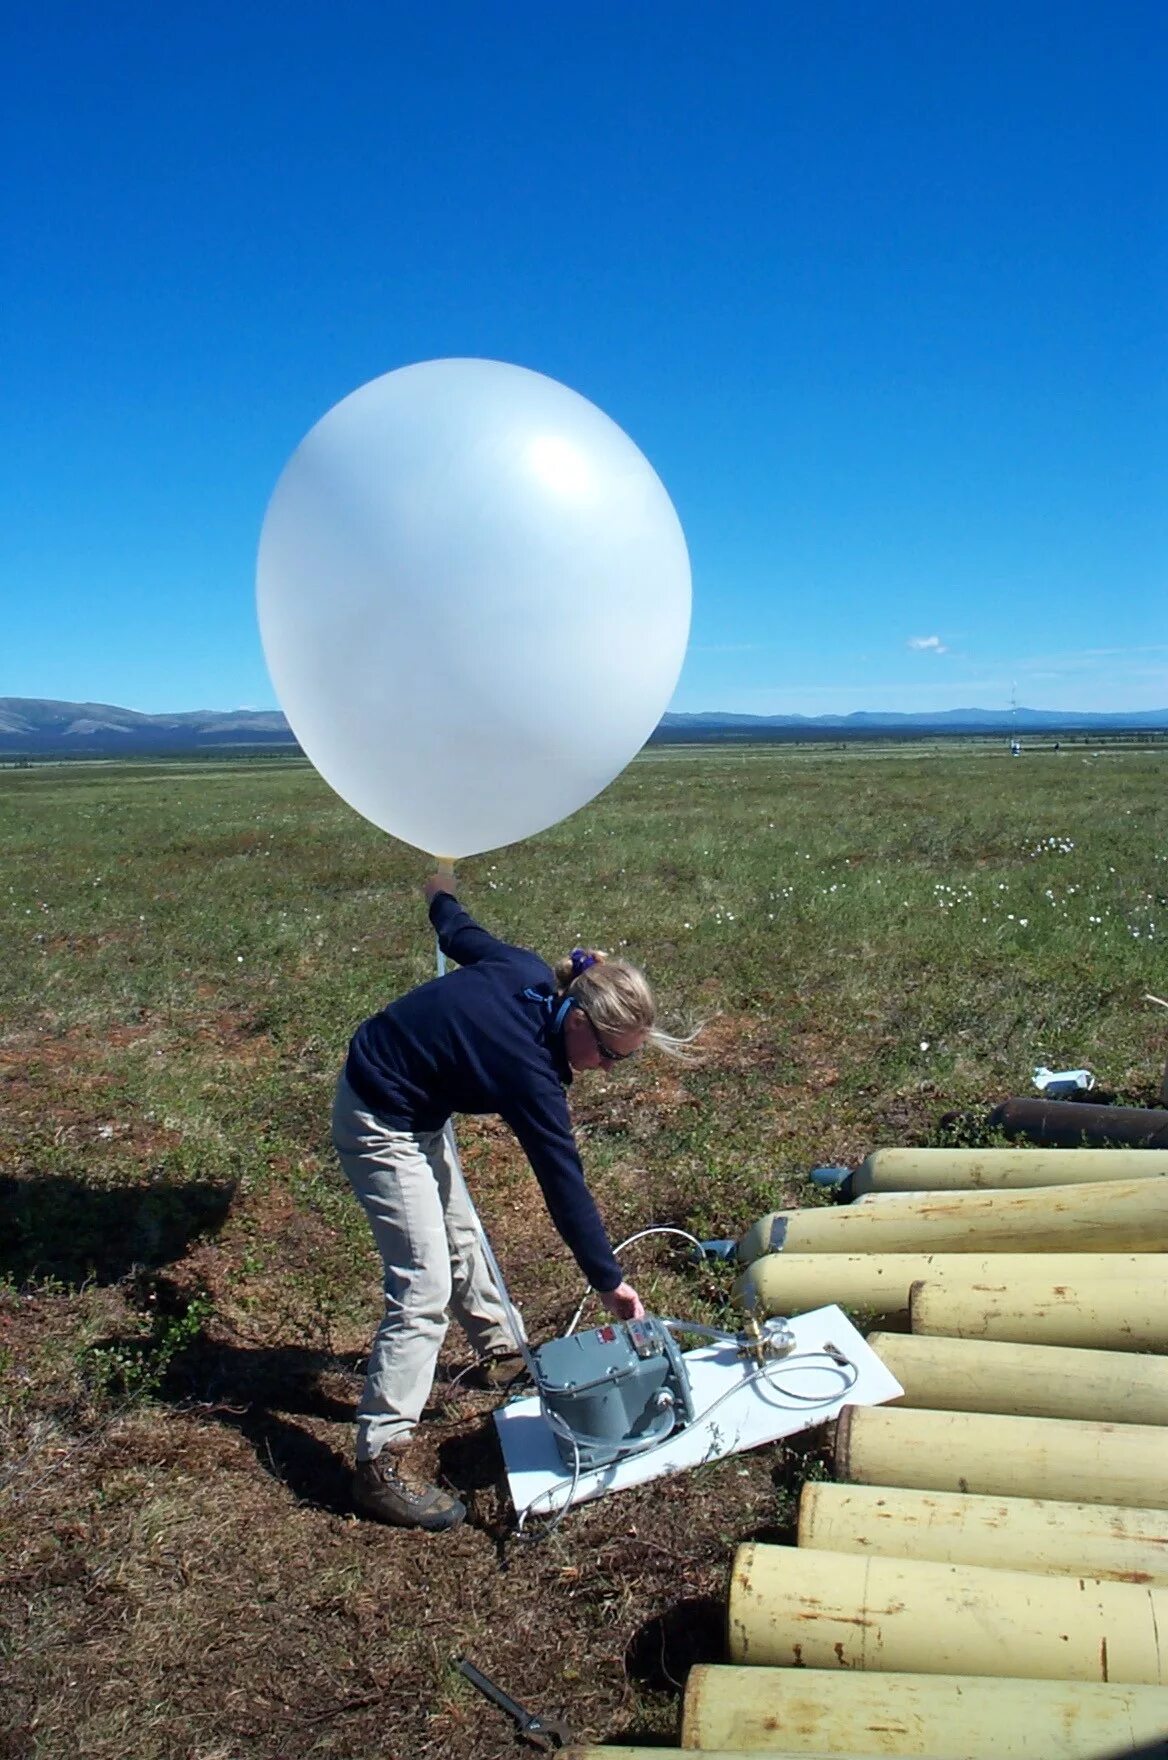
[1015,742]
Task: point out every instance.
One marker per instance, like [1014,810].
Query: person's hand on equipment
[623,1302]
[437,883]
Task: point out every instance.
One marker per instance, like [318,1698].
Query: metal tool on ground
[545,1733]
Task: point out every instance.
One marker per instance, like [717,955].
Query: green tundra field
[871,937]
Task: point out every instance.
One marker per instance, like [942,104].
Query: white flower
[924,1044]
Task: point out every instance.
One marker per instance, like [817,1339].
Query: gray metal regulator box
[619,1389]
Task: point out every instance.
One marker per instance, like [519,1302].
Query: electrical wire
[800,1362]
[641,1234]
[557,1516]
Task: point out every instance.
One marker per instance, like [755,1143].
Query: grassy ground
[875,937]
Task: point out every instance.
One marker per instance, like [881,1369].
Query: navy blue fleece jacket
[482,1039]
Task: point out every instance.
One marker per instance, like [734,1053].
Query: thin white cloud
[927,645]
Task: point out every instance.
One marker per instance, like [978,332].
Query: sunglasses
[606,1051]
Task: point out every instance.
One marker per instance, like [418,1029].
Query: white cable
[802,1361]
[557,1516]
[641,1234]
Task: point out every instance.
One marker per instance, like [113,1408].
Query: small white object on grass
[1054,1082]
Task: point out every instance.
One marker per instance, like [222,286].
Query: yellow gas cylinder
[1126,1216]
[955,1717]
[622,1753]
[1060,1458]
[958,1170]
[1008,1533]
[794,1283]
[1025,1380]
[1117,1315]
[813,1609]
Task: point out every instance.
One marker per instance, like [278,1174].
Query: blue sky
[879,288]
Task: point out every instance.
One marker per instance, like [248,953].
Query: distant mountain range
[943,720]
[34,727]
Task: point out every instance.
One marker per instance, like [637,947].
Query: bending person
[502,1034]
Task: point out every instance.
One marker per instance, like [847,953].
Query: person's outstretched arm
[544,1128]
[459,936]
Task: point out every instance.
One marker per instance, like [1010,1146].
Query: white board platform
[752,1414]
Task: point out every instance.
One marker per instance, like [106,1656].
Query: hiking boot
[495,1373]
[390,1489]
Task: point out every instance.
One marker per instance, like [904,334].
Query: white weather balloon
[474,599]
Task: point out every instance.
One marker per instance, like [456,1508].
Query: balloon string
[446,870]
[514,1320]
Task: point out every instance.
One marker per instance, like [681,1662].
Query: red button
[607,1335]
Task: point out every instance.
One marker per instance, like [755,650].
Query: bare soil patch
[186,1576]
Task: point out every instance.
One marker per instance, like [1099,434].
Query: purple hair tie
[581,960]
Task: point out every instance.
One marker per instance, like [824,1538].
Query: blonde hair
[616,997]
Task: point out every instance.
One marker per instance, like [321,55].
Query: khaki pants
[412,1192]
